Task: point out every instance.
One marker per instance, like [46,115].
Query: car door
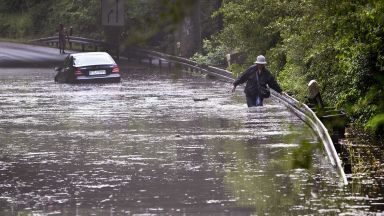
[61,72]
[68,69]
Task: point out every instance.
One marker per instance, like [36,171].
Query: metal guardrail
[214,71]
[300,109]
[308,116]
[54,41]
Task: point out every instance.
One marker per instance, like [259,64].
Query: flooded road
[145,147]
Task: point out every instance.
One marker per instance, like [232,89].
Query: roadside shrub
[236,69]
[213,54]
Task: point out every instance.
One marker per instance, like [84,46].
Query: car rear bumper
[108,78]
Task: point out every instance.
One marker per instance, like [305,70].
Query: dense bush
[338,43]
[214,54]
[34,18]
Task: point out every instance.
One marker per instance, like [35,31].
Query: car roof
[92,58]
[89,54]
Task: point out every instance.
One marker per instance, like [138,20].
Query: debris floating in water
[200,99]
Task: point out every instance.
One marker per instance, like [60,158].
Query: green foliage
[15,27]
[214,54]
[22,19]
[28,18]
[376,124]
[338,43]
[200,59]
[236,69]
[34,18]
[291,78]
[245,23]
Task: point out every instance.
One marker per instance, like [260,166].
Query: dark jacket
[249,76]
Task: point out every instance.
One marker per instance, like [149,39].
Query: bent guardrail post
[301,110]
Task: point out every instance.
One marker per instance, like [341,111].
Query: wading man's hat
[260,60]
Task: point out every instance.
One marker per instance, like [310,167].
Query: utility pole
[197,25]
[188,39]
[112,18]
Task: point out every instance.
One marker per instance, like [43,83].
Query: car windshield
[96,59]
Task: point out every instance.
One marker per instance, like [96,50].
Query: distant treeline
[32,18]
[143,19]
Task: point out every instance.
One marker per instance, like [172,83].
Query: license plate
[97,72]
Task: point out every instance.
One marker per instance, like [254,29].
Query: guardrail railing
[83,42]
[183,62]
[300,109]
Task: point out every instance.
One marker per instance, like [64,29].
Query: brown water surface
[144,146]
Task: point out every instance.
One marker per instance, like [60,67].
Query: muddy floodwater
[146,147]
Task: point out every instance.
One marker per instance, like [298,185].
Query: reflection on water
[146,147]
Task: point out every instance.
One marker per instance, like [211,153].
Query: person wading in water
[257,77]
